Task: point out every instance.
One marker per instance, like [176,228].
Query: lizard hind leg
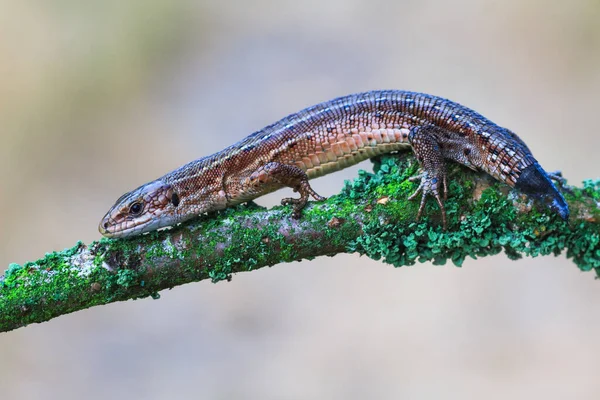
[433,176]
[290,176]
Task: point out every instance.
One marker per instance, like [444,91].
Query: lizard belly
[316,169]
[329,161]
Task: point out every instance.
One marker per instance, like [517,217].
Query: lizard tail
[534,182]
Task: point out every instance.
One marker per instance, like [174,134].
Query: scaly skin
[328,137]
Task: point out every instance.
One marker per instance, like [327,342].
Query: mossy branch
[371,216]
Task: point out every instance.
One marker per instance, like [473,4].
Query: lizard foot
[290,176]
[424,141]
[430,185]
[298,204]
[557,177]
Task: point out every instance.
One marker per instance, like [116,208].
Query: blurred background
[100,97]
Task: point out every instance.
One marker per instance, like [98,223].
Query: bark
[371,216]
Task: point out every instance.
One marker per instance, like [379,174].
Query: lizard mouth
[110,228]
[118,226]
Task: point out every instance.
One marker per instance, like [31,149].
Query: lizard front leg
[286,175]
[424,143]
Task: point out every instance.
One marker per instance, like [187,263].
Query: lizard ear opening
[175,199]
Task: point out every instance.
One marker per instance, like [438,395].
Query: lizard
[331,136]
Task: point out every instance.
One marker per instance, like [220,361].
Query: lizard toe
[431,186]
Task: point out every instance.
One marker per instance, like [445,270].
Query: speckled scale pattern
[336,134]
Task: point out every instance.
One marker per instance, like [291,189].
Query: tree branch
[371,216]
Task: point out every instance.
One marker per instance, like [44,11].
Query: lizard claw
[557,177]
[417,177]
[561,182]
[420,177]
[298,204]
[315,195]
[430,186]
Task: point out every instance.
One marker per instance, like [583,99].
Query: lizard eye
[136,208]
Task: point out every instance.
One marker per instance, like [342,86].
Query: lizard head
[534,182]
[149,207]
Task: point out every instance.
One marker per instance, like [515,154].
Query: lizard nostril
[106,225]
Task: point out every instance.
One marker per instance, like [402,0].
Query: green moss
[127,278]
[489,227]
[370,216]
[592,188]
[11,275]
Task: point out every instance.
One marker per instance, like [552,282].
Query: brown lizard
[328,137]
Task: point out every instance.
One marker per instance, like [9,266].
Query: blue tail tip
[534,182]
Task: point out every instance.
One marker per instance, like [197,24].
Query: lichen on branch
[371,216]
